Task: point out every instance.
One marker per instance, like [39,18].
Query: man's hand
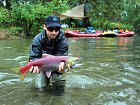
[61,67]
[34,69]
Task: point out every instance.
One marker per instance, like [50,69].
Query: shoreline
[4,35]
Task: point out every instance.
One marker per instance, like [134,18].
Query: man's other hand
[34,69]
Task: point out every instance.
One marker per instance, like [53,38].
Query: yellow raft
[108,34]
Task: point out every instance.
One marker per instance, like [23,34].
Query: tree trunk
[8,4]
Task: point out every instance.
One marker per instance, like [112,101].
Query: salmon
[44,62]
[47,63]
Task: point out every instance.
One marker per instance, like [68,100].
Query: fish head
[71,62]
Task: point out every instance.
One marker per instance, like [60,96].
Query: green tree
[131,13]
[4,14]
[30,16]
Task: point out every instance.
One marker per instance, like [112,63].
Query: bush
[4,15]
[15,31]
[101,24]
[127,26]
[28,17]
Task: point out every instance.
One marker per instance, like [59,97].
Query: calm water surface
[107,74]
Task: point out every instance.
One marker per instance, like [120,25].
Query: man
[51,41]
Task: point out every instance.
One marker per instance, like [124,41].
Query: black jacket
[40,45]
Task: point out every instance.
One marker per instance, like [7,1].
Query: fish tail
[23,70]
[22,76]
[16,69]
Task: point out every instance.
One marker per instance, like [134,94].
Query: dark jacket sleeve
[35,49]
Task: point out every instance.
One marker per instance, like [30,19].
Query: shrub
[4,16]
[15,31]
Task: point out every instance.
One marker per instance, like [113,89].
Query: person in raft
[51,41]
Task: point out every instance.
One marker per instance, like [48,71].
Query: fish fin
[68,66]
[48,73]
[22,76]
[16,69]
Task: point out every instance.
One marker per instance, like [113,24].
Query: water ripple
[80,81]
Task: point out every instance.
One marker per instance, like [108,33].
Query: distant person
[116,29]
[90,30]
[126,30]
[50,41]
[121,31]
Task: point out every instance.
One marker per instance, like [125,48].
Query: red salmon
[47,63]
[44,62]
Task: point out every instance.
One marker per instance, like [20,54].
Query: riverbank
[4,34]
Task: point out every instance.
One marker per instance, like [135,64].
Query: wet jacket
[40,45]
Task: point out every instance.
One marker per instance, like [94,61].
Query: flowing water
[108,73]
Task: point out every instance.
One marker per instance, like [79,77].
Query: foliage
[29,14]
[103,12]
[25,15]
[73,24]
[132,14]
[100,24]
[97,23]
[4,15]
[15,31]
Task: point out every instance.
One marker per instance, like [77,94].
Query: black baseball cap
[52,21]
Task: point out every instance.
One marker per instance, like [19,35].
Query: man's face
[52,32]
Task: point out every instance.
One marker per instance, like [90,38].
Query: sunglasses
[51,29]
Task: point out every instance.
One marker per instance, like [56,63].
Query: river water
[108,73]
